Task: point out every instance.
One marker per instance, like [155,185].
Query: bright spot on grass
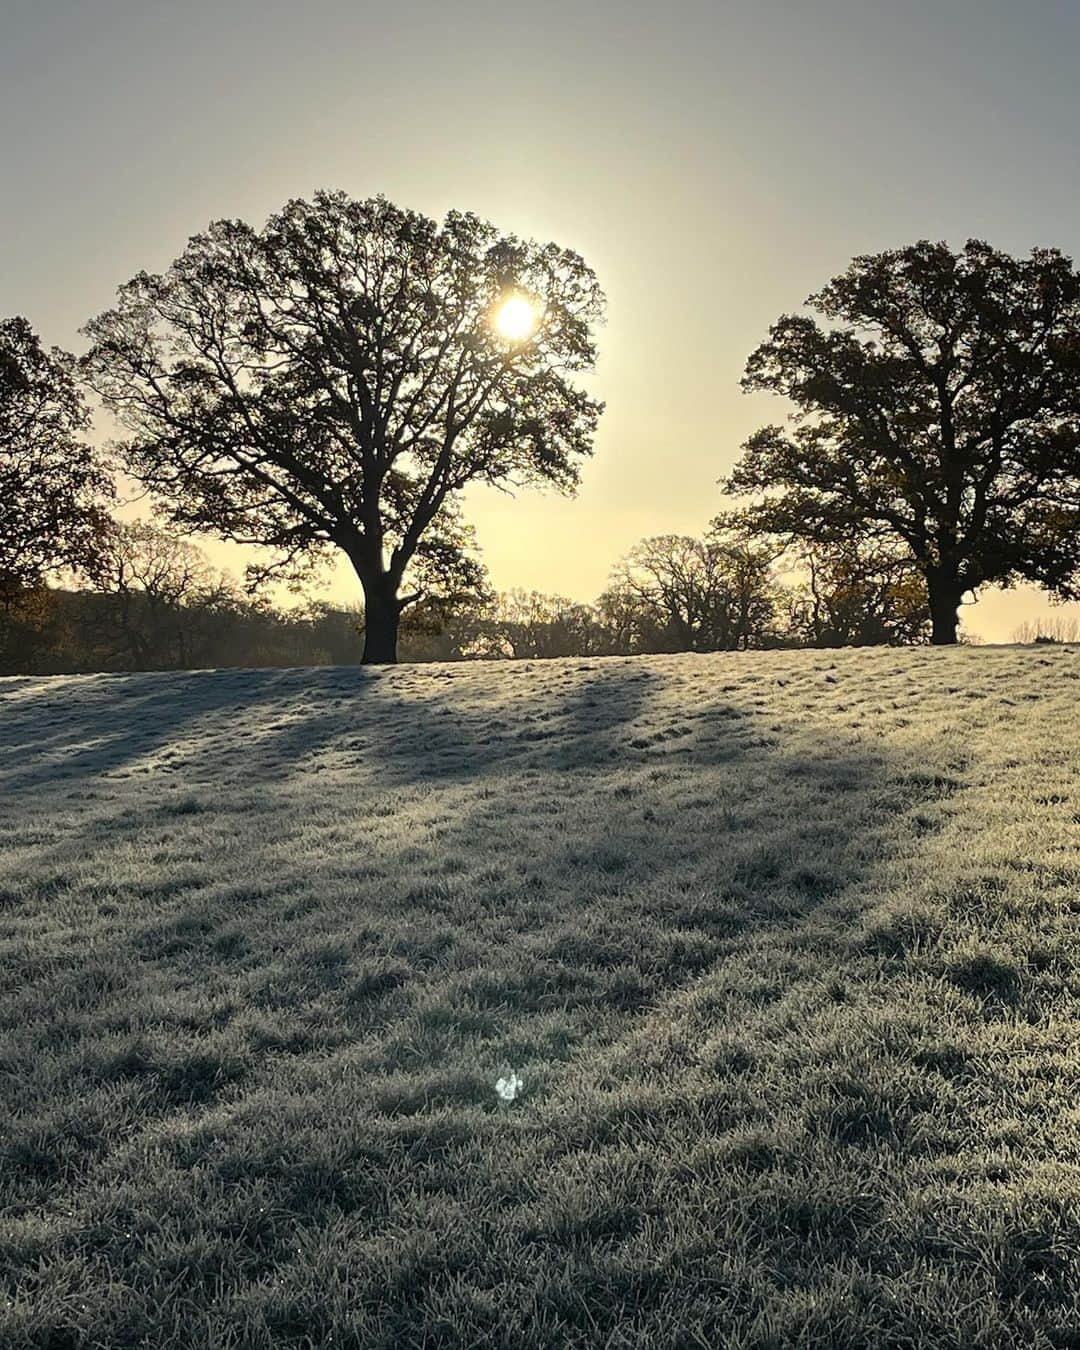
[508,1088]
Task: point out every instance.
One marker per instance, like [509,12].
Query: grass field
[782,946]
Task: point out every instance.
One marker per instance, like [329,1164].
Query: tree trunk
[945,594]
[382,613]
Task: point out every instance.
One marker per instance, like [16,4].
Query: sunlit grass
[773,956]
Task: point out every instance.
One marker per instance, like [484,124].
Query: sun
[516,318]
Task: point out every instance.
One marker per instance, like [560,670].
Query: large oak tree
[938,407]
[335,379]
[52,487]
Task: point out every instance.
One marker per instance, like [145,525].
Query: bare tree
[162,591]
[531,625]
[676,593]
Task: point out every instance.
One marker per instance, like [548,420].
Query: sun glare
[516,318]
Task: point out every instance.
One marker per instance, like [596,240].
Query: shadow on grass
[609,847]
[286,1066]
[73,732]
[587,858]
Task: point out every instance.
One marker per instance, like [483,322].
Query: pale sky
[714,162]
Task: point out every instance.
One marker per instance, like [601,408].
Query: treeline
[65,632]
[329,386]
[155,603]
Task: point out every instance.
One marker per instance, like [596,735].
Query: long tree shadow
[447,878]
[267,726]
[696,796]
[76,729]
[592,843]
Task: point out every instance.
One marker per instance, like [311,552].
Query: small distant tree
[334,630]
[680,594]
[334,380]
[447,629]
[854,596]
[530,625]
[53,489]
[630,627]
[163,596]
[938,408]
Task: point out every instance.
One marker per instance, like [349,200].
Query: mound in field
[774,956]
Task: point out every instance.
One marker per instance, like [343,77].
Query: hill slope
[781,946]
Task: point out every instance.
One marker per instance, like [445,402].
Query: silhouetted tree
[52,488]
[164,596]
[854,596]
[529,625]
[939,407]
[631,627]
[335,379]
[676,593]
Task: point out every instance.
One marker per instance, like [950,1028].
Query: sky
[714,163]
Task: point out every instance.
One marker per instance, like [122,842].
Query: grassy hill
[783,948]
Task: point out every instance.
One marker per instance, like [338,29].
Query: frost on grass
[508,1087]
[787,962]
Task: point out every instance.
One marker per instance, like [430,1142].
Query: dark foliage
[334,380]
[938,409]
[853,596]
[66,632]
[51,485]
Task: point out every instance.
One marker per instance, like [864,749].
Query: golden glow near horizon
[517,318]
[634,164]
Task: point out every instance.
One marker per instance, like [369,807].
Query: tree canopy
[938,407]
[680,594]
[335,379]
[164,592]
[852,595]
[52,488]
